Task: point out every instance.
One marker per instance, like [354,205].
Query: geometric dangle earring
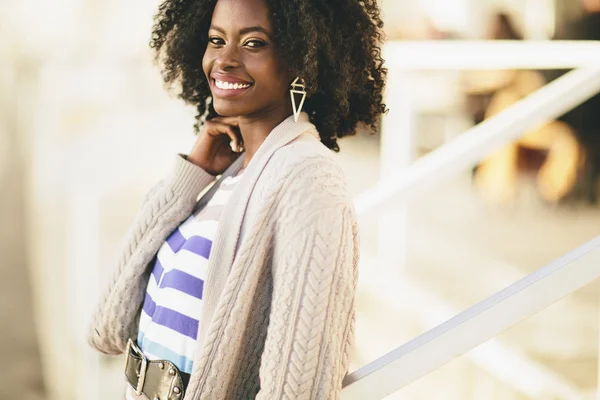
[298,87]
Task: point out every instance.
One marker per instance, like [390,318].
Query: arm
[176,194]
[312,312]
[184,170]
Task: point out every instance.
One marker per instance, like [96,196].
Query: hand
[218,145]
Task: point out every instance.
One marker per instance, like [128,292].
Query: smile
[231,86]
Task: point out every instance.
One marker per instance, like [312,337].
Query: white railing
[476,325]
[529,295]
[494,55]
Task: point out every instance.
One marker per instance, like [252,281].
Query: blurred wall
[97,130]
[21,376]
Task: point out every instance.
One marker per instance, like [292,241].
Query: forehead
[241,13]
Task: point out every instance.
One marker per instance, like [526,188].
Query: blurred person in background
[552,151]
[249,291]
[584,119]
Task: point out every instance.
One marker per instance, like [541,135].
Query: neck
[255,129]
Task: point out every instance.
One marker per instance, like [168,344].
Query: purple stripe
[183,282]
[149,305]
[158,270]
[175,240]
[198,245]
[178,322]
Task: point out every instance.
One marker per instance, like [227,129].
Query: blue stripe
[157,270]
[174,320]
[183,282]
[140,338]
[183,363]
[198,245]
[175,240]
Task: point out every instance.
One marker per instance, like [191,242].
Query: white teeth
[230,86]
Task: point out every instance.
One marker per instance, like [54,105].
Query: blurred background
[86,128]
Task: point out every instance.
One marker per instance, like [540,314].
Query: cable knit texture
[279,296]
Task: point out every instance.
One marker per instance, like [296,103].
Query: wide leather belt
[158,380]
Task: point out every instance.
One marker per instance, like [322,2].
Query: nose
[228,58]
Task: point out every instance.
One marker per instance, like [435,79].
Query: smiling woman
[248,292]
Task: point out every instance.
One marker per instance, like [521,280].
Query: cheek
[206,63]
[274,77]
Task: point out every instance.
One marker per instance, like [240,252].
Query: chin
[227,110]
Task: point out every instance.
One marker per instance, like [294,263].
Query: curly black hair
[334,45]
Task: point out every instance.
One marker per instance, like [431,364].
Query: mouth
[227,89]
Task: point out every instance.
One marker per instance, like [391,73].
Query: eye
[255,43]
[217,41]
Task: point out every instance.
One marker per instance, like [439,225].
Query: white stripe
[232,179]
[181,302]
[192,264]
[165,252]
[152,288]
[192,227]
[176,300]
[145,321]
[220,198]
[185,261]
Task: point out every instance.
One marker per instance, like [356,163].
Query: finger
[218,129]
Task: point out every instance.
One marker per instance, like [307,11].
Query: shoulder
[303,181]
[306,164]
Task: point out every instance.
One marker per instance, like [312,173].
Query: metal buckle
[144,367]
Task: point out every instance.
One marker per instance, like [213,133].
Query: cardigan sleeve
[185,179]
[111,324]
[314,273]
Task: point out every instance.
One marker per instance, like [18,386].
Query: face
[245,73]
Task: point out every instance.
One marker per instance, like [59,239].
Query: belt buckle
[132,347]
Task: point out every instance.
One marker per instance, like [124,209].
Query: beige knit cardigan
[279,297]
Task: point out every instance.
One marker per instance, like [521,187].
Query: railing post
[83,230]
[397,153]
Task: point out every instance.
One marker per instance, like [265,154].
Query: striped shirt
[173,305]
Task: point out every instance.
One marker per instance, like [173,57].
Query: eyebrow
[243,31]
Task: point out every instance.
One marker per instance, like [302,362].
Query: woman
[249,292]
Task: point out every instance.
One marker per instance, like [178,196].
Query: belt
[158,380]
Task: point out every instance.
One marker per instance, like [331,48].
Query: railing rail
[490,55]
[475,325]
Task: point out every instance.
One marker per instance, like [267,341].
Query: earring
[298,87]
